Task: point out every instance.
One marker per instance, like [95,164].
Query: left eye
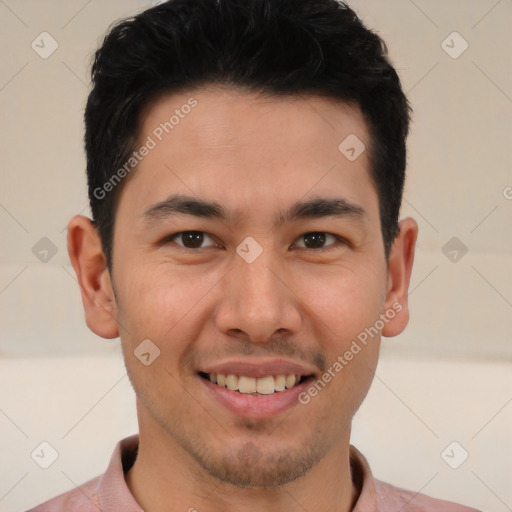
[316,240]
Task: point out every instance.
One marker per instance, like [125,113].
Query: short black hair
[276,47]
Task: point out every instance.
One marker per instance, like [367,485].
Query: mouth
[252,386]
[259,389]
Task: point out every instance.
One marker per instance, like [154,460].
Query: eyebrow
[179,204]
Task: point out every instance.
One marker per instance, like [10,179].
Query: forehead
[223,116]
[220,143]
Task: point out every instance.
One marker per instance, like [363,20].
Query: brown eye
[189,239]
[316,240]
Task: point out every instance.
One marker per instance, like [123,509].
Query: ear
[88,260]
[400,263]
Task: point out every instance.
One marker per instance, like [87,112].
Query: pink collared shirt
[109,492]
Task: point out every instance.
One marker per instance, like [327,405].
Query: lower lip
[257,407]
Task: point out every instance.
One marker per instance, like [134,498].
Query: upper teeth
[248,385]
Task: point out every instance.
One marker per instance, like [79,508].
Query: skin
[256,156]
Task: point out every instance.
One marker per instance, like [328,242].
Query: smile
[254,386]
[258,398]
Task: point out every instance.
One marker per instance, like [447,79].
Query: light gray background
[448,377]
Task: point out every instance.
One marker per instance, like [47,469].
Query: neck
[166,478]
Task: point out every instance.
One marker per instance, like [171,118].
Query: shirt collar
[112,491]
[362,477]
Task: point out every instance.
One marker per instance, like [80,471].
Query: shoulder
[79,499]
[390,497]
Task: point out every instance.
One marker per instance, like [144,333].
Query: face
[252,284]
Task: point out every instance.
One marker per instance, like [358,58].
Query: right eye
[189,239]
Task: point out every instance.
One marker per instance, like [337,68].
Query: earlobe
[400,265]
[88,260]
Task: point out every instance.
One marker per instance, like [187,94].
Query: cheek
[344,301]
[159,304]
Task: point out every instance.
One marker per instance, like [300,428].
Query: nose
[258,300]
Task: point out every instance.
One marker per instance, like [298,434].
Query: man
[246,161]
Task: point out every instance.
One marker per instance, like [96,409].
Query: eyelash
[329,247]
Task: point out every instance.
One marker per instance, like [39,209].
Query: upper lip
[258,369]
